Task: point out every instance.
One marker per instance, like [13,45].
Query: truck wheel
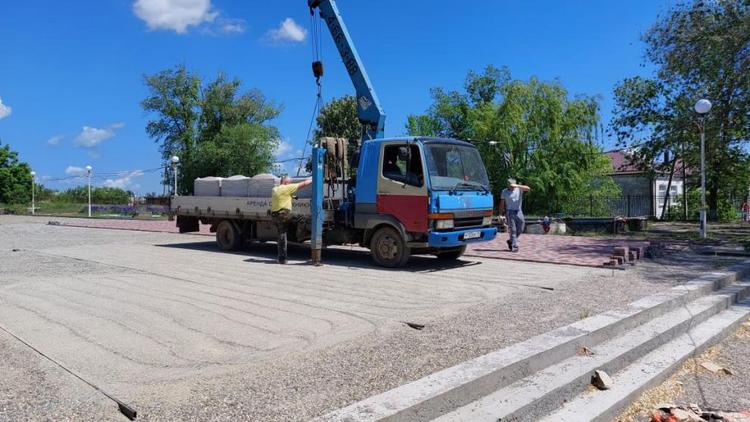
[388,248]
[227,236]
[452,254]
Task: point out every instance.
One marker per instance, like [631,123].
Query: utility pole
[684,185]
[33,188]
[88,174]
[175,161]
[702,107]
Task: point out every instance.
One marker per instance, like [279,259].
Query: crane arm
[369,110]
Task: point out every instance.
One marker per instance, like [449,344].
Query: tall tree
[214,128]
[700,50]
[15,178]
[338,119]
[174,95]
[530,130]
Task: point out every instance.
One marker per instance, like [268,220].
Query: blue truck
[409,195]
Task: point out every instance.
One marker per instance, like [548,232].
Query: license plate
[472,235]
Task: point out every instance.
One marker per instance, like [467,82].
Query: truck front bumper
[455,238]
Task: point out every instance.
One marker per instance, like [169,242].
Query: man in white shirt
[511,204]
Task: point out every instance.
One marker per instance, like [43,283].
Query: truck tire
[452,254]
[227,236]
[388,248]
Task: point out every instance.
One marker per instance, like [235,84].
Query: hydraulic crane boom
[369,111]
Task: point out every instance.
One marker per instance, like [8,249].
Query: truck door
[401,190]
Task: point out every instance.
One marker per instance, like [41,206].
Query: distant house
[645,191]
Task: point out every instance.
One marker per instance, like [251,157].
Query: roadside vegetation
[533,130]
[699,50]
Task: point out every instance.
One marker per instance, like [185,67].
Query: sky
[71,73]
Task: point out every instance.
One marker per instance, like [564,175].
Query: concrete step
[544,391]
[650,370]
[452,388]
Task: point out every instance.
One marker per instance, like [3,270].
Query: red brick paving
[572,250]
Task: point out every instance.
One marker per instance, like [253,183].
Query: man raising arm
[281,210]
[511,204]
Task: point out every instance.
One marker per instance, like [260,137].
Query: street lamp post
[33,188]
[702,107]
[88,174]
[175,161]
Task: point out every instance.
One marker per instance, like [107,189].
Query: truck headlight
[443,224]
[486,221]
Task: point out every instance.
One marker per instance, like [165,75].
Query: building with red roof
[646,188]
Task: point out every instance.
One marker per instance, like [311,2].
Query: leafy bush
[727,209]
[99,195]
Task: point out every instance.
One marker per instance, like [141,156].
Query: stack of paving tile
[622,255]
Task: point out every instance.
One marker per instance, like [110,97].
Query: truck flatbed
[239,208]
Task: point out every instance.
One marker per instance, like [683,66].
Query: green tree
[15,178]
[530,130]
[239,149]
[338,119]
[214,128]
[700,50]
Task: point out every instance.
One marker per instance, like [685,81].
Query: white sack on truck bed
[238,186]
[262,184]
[207,186]
[304,193]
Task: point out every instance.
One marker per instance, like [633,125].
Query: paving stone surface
[572,250]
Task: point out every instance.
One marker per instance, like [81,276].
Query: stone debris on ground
[585,351]
[602,380]
[714,368]
[693,413]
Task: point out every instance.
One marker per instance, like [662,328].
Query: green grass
[67,209]
[50,208]
[60,208]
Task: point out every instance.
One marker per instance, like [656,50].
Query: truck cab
[421,195]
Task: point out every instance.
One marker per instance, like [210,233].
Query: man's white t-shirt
[513,199]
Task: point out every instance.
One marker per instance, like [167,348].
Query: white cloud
[55,140]
[283,150]
[175,15]
[288,31]
[5,110]
[91,136]
[231,26]
[124,181]
[75,171]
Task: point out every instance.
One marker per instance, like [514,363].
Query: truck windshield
[455,167]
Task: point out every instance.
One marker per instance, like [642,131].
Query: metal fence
[631,206]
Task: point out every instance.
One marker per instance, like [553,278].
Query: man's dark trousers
[281,220]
